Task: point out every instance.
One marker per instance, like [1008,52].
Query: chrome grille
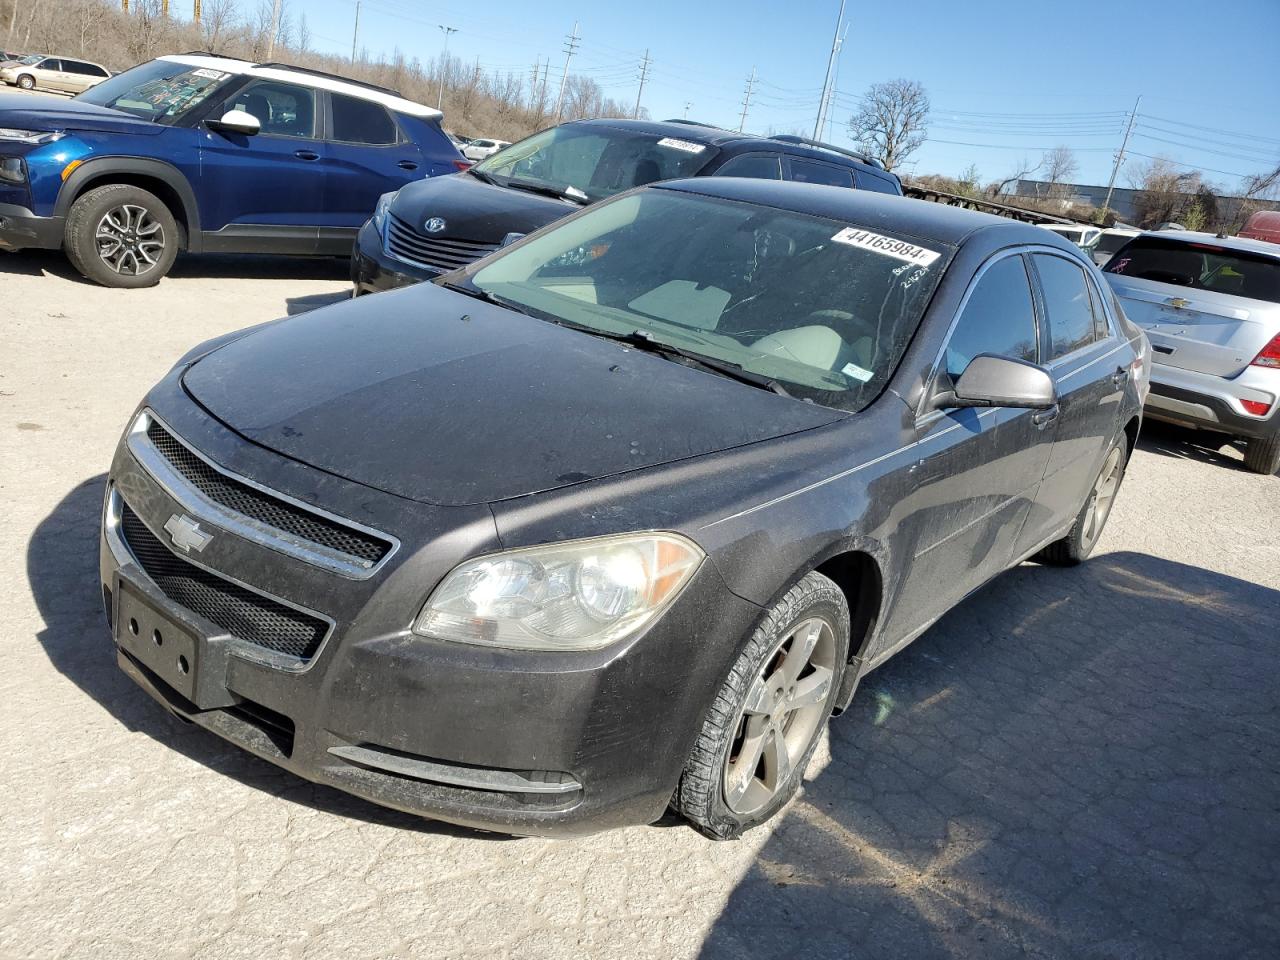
[406,243]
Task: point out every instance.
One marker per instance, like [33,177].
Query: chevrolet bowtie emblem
[186,533]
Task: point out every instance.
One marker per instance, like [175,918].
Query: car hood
[475,210]
[438,397]
[22,112]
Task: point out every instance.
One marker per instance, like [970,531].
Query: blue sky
[1007,79]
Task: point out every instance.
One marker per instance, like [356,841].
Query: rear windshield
[1111,242]
[1200,266]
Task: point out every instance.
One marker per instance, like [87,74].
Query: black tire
[1083,536]
[1262,455]
[27,82]
[93,260]
[700,795]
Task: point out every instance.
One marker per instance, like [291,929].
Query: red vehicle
[1263,225]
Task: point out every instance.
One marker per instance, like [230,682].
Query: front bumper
[1207,402]
[373,269]
[518,742]
[21,229]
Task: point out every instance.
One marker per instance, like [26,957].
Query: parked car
[1263,225]
[64,74]
[206,154]
[429,228]
[1082,235]
[1211,307]
[618,516]
[9,56]
[1111,240]
[479,149]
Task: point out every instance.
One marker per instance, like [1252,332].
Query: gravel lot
[1080,763]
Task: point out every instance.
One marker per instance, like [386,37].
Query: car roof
[1244,244]
[305,78]
[918,218]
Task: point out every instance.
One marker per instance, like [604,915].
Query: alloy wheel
[783,711]
[1103,497]
[129,239]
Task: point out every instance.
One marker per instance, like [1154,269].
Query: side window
[1101,326]
[869,181]
[283,109]
[75,66]
[999,318]
[1067,302]
[813,171]
[758,166]
[359,121]
[49,64]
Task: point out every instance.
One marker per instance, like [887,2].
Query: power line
[1216,153]
[1189,166]
[1229,133]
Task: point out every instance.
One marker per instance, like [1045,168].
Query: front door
[266,191]
[977,471]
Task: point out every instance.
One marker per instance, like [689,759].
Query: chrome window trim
[245,649]
[273,538]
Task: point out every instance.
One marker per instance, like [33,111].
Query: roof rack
[332,76]
[805,141]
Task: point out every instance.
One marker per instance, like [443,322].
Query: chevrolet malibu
[614,519]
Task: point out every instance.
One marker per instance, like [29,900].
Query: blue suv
[206,154]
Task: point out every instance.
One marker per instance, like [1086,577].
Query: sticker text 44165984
[888,246]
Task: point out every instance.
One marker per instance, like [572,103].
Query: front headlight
[30,136]
[577,595]
[380,211]
[12,170]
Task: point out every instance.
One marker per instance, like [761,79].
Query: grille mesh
[244,499]
[242,613]
[407,244]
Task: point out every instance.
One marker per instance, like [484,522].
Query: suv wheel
[764,725]
[1262,455]
[121,236]
[27,82]
[1084,534]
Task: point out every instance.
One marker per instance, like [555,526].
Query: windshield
[161,90]
[821,306]
[31,61]
[1200,266]
[594,161]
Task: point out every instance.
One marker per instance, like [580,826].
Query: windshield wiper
[643,340]
[546,191]
[485,295]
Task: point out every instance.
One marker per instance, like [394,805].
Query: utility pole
[195,12]
[1106,204]
[355,32]
[644,72]
[444,62]
[124,5]
[687,105]
[746,99]
[825,102]
[164,9]
[570,48]
[275,28]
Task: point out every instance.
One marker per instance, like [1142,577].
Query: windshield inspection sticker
[898,249]
[209,74]
[688,146]
[855,372]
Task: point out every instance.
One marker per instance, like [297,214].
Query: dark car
[206,154]
[615,518]
[427,229]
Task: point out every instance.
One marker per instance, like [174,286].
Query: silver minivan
[1211,308]
[64,74]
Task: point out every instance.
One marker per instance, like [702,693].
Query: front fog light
[12,170]
[578,595]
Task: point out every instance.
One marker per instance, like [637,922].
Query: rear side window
[812,171]
[999,318]
[49,64]
[758,166]
[359,121]
[1200,266]
[1068,304]
[869,181]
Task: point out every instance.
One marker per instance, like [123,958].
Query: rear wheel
[121,236]
[1084,534]
[1262,455]
[765,723]
[27,82]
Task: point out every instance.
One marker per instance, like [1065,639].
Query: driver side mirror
[992,381]
[236,121]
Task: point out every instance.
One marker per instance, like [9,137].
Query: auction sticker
[210,74]
[898,249]
[688,146]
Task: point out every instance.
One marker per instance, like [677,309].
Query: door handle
[1042,418]
[306,155]
[407,165]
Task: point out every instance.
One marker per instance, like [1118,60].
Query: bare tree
[1164,192]
[217,19]
[1024,170]
[890,122]
[1060,166]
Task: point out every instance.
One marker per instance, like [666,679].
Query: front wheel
[120,235]
[27,82]
[769,713]
[1084,534]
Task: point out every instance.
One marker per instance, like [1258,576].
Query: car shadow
[36,263]
[1184,443]
[62,567]
[1072,763]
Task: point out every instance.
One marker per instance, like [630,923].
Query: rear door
[1205,307]
[367,155]
[1089,363]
